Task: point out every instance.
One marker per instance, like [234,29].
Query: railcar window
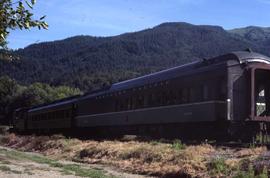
[62,114]
[222,89]
[116,105]
[126,104]
[185,95]
[58,114]
[53,115]
[159,99]
[134,102]
[140,100]
[150,99]
[260,101]
[164,98]
[173,97]
[180,96]
[205,92]
[130,103]
[200,93]
[193,95]
[145,102]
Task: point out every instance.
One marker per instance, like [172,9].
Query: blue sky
[112,17]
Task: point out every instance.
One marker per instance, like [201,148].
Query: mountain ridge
[90,62]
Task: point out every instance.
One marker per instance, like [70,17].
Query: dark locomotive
[228,95]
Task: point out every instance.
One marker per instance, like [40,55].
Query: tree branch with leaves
[17,15]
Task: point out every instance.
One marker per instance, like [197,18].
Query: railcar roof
[240,56]
[246,57]
[62,102]
[154,77]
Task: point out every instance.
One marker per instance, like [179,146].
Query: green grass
[75,169]
[4,162]
[5,168]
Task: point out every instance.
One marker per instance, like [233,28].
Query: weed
[218,166]
[66,172]
[146,155]
[16,172]
[5,168]
[261,138]
[57,137]
[178,145]
[154,142]
[250,173]
[5,162]
[83,172]
[252,145]
[4,139]
[92,152]
[28,171]
[67,142]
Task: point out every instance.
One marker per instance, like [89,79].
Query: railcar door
[260,94]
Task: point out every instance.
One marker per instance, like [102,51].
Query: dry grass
[154,158]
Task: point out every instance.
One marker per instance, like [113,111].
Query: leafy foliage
[14,95]
[17,15]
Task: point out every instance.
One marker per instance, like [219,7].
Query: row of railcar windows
[172,96]
[60,114]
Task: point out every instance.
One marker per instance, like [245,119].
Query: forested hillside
[14,95]
[90,62]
